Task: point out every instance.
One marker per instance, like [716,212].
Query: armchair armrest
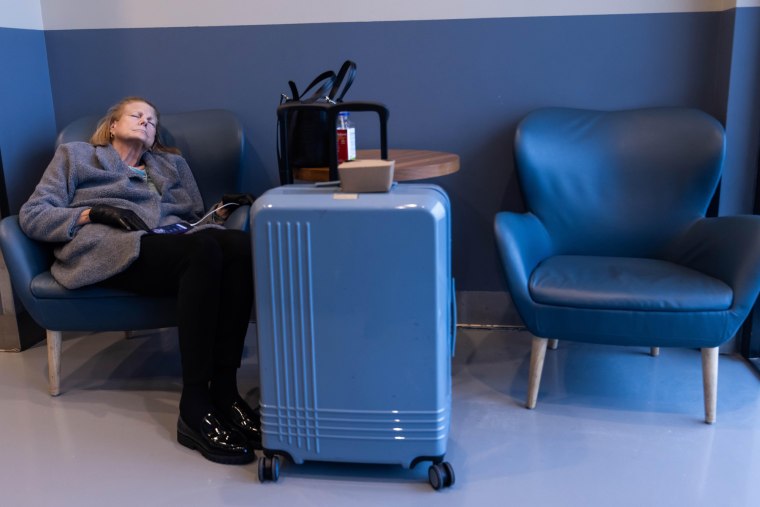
[523,242]
[24,257]
[726,248]
[238,219]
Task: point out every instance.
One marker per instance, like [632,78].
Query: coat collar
[161,172]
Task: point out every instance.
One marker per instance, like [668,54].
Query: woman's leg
[235,303]
[210,272]
[236,299]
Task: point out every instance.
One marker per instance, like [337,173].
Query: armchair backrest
[618,183]
[211,141]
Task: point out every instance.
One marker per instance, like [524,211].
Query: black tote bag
[308,130]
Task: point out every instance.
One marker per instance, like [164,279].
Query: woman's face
[136,125]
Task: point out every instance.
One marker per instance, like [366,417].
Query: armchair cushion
[624,283]
[44,286]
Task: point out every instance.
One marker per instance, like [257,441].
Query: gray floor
[613,427]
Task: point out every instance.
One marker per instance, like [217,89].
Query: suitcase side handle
[453,317]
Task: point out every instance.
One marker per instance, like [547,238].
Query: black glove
[117,217]
[239,199]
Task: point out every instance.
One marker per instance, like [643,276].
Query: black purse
[308,130]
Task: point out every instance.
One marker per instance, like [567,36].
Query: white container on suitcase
[356,325]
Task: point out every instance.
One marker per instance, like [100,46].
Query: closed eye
[150,121]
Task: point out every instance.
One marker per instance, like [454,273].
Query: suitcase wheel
[269,468]
[441,475]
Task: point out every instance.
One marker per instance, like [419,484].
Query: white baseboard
[486,308]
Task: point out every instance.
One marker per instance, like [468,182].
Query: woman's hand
[235,200]
[84,217]
[116,217]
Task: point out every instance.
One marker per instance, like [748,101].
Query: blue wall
[458,85]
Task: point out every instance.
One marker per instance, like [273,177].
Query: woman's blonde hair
[102,134]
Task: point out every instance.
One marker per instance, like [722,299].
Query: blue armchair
[614,247]
[212,142]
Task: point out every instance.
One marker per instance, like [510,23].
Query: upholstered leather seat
[614,247]
[212,142]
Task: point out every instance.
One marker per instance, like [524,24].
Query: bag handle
[327,76]
[347,72]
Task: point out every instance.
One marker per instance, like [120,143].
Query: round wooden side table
[409,165]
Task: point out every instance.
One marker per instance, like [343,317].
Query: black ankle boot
[216,440]
[245,419]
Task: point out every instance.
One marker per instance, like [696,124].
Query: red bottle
[346,134]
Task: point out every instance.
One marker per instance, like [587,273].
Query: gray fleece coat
[82,175]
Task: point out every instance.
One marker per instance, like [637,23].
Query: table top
[409,165]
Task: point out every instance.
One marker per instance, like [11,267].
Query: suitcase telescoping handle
[331,110]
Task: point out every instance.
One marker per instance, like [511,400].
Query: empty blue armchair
[212,142]
[615,247]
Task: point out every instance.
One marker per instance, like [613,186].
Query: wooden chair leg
[710,382]
[553,344]
[654,351]
[537,355]
[54,361]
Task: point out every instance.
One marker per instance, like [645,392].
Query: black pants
[210,273]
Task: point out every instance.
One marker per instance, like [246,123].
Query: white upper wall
[85,14]
[21,14]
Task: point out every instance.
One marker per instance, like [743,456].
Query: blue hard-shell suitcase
[356,325]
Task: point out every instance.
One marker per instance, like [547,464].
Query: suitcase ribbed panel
[296,421]
[370,425]
[292,317]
